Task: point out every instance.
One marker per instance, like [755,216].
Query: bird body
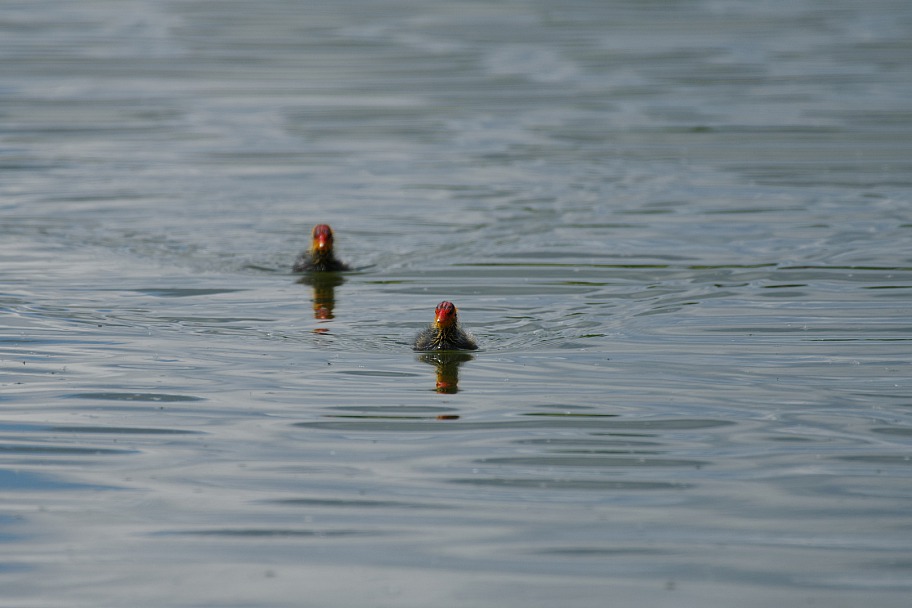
[444,333]
[320,256]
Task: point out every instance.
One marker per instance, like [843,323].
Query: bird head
[322,238]
[445,315]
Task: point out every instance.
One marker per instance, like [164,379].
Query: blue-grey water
[681,232]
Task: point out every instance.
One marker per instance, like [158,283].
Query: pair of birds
[443,334]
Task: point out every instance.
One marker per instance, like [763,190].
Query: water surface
[680,231]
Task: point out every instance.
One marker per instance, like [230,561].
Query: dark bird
[320,257]
[444,333]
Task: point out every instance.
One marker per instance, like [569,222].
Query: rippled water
[681,232]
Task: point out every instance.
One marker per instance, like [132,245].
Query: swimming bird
[444,333]
[319,257]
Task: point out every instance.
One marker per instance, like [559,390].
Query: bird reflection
[447,364]
[324,292]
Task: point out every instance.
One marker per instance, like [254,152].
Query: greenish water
[681,232]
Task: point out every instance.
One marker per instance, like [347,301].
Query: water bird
[444,333]
[320,256]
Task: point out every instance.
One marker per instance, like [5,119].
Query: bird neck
[444,335]
[321,257]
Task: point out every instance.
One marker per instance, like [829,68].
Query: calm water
[681,231]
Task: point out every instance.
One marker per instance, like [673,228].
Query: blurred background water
[680,230]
